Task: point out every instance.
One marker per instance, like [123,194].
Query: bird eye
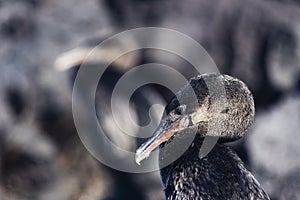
[179,110]
[225,110]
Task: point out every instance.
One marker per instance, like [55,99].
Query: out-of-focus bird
[126,185]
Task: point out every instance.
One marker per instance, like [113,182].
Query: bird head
[209,105]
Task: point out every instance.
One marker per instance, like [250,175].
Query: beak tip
[138,163]
[140,156]
[137,159]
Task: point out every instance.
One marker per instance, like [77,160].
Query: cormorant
[221,174]
[123,185]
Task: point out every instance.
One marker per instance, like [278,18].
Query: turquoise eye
[179,110]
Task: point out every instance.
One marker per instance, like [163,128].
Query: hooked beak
[161,135]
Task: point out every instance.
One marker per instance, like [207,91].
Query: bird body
[219,175]
[209,106]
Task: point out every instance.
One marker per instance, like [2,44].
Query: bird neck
[219,175]
[180,149]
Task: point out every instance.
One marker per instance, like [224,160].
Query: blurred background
[43,43]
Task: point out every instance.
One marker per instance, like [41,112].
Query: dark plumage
[224,109]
